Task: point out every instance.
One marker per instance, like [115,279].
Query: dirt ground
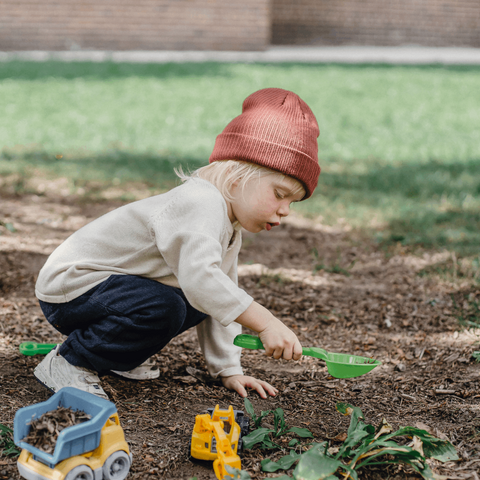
[333,287]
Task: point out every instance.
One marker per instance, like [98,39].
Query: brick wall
[134,24]
[234,24]
[376,22]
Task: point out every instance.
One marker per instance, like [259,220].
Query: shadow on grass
[456,230]
[30,70]
[117,166]
[422,181]
[434,205]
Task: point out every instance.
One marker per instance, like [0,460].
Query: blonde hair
[224,173]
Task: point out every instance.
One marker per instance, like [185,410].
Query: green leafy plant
[364,446]
[237,474]
[7,446]
[266,436]
[9,226]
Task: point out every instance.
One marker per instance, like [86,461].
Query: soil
[334,287]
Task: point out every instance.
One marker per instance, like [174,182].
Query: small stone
[401,367]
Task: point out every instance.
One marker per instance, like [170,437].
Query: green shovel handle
[254,343]
[316,352]
[248,341]
[33,348]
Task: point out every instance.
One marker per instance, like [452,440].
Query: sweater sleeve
[216,341]
[188,234]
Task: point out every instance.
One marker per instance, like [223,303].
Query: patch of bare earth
[347,297]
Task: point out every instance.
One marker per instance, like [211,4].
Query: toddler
[123,286]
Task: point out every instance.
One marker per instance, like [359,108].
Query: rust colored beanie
[277,130]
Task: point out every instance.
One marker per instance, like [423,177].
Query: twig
[421,354]
[450,392]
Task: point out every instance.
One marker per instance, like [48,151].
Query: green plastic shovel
[32,348]
[339,365]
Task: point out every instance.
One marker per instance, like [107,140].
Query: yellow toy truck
[217,435]
[92,450]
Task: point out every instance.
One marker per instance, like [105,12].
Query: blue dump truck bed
[74,440]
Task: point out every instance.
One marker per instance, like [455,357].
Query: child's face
[263,202]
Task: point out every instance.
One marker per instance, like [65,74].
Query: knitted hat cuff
[282,158]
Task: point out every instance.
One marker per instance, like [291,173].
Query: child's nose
[284,209]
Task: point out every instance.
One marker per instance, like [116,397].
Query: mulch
[334,287]
[44,430]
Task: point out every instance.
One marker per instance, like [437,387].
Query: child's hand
[278,340]
[240,382]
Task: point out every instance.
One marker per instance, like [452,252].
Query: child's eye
[279,195]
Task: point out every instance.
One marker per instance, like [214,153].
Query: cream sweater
[182,238]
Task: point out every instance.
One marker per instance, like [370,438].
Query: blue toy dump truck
[93,450]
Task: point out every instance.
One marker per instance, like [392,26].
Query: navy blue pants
[121,322]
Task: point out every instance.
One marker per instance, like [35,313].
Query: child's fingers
[278,353]
[261,387]
[258,388]
[257,385]
[293,352]
[272,391]
[241,383]
[286,352]
[269,352]
[240,390]
[297,351]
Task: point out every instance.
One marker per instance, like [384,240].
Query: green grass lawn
[399,145]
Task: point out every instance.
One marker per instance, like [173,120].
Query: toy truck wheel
[116,466]
[81,472]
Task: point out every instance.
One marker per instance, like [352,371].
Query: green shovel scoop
[339,365]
